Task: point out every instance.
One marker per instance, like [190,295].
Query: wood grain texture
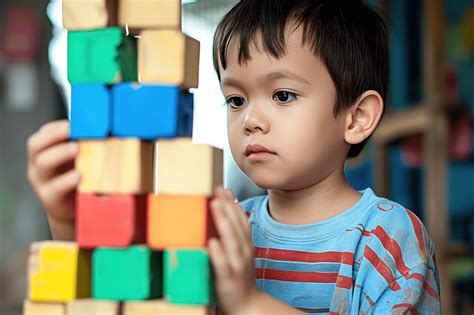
[186,168]
[157,307]
[92,307]
[39,308]
[115,165]
[90,14]
[168,57]
[140,14]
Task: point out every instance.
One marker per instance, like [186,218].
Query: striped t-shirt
[374,258]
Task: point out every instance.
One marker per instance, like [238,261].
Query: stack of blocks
[142,206]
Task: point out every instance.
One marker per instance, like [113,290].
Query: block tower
[142,206]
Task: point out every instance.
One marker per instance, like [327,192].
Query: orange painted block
[179,221]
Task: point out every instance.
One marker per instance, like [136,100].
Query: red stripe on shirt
[419,233]
[391,245]
[304,276]
[382,268]
[394,249]
[406,306]
[346,258]
[426,286]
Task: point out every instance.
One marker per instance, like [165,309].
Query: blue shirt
[375,257]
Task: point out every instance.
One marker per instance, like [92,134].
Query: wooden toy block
[89,14]
[115,166]
[188,278]
[151,111]
[186,168]
[110,220]
[93,307]
[168,57]
[91,111]
[41,308]
[179,221]
[101,56]
[133,273]
[58,272]
[140,14]
[157,307]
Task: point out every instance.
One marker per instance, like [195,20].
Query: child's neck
[315,203]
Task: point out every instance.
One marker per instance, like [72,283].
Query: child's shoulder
[393,228]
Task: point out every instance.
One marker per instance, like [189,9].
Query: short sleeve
[415,292]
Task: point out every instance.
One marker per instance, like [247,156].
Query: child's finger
[49,160]
[218,259]
[50,134]
[232,213]
[228,236]
[61,185]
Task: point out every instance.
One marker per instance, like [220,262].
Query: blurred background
[421,155]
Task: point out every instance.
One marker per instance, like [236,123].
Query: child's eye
[284,97]
[235,101]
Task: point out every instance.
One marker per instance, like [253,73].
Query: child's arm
[233,260]
[53,177]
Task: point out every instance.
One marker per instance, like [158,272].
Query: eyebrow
[273,76]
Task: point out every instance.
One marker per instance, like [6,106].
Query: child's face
[287,106]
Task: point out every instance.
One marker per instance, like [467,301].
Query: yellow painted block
[93,307]
[58,272]
[39,308]
[168,57]
[157,307]
[148,14]
[115,165]
[186,168]
[89,14]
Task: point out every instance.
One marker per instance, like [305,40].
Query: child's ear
[363,117]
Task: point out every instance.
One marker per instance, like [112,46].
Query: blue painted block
[90,111]
[151,111]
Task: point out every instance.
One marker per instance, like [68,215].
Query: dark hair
[348,36]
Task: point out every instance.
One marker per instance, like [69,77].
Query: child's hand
[233,255]
[51,171]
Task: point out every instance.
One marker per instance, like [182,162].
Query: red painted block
[110,220]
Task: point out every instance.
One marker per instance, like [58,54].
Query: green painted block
[188,278]
[101,56]
[132,273]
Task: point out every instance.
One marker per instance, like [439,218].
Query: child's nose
[255,120]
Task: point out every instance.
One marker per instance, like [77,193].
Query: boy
[305,83]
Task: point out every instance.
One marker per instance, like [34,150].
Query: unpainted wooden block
[101,56]
[115,166]
[115,220]
[151,111]
[89,14]
[179,221]
[168,57]
[42,308]
[58,272]
[188,278]
[186,168]
[162,307]
[132,273]
[91,111]
[93,307]
[147,14]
